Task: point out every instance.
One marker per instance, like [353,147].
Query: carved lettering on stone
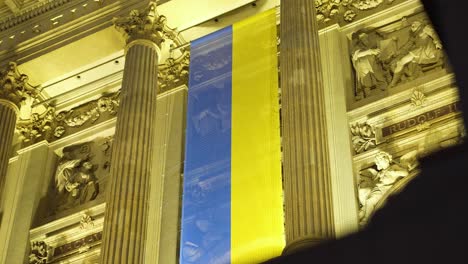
[376,182]
[363,137]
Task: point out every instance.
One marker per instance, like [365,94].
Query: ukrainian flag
[232,210]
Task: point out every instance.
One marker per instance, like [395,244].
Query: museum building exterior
[93,103]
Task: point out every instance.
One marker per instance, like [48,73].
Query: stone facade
[386,97]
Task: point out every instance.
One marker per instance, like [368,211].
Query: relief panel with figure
[388,56]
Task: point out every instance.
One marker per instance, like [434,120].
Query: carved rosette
[14,86]
[363,137]
[147,25]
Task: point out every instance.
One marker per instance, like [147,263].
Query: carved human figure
[422,48]
[368,67]
[375,183]
[76,178]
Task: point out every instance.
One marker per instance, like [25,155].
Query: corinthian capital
[147,24]
[14,86]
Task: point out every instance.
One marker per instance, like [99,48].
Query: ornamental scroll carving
[380,180]
[51,125]
[384,59]
[346,10]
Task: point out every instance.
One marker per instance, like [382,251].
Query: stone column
[14,90]
[126,214]
[306,166]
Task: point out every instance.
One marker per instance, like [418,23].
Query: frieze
[51,125]
[329,11]
[394,54]
[421,121]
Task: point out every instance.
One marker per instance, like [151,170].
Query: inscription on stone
[421,119]
[77,244]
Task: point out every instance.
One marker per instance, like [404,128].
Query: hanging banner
[232,209]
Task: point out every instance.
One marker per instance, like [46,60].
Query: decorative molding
[39,252]
[329,11]
[394,54]
[14,86]
[363,137]
[418,98]
[38,9]
[86,221]
[51,125]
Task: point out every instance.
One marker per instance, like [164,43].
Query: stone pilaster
[14,90]
[306,165]
[125,225]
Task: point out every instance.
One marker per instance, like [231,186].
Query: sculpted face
[382,161]
[88,165]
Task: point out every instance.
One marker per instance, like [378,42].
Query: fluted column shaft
[307,183]
[127,204]
[8,116]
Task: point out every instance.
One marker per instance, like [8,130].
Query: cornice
[37,9]
[59,26]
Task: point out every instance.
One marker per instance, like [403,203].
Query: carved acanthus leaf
[86,222]
[363,137]
[14,86]
[147,24]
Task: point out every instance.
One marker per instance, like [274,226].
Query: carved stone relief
[394,54]
[378,181]
[81,175]
[39,253]
[363,137]
[51,125]
[14,86]
[347,10]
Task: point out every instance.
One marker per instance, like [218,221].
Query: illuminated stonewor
[14,91]
[126,217]
[306,168]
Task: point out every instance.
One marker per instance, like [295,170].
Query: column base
[301,244]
